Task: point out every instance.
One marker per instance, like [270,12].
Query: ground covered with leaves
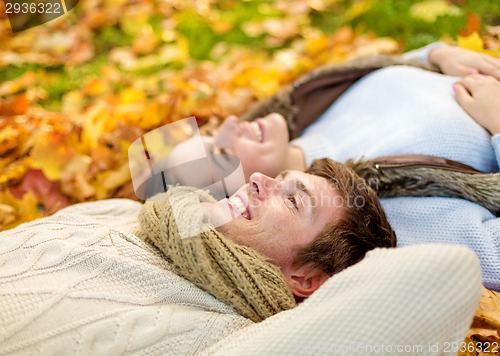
[74,93]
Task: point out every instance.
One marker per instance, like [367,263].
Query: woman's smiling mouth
[257,130]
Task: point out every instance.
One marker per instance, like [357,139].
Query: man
[311,225]
[81,281]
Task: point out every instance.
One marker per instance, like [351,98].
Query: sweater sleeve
[422,54]
[388,303]
[495,142]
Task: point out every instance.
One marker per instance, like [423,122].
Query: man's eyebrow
[301,186]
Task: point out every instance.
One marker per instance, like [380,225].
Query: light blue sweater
[399,110]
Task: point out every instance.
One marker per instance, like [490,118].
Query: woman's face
[261,145]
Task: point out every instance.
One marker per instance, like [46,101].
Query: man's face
[278,216]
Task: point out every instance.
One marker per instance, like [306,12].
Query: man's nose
[263,186]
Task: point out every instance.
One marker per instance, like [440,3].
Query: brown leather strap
[422,161]
[313,97]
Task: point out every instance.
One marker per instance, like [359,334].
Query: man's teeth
[256,129]
[238,204]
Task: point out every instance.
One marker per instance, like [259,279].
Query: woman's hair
[363,225]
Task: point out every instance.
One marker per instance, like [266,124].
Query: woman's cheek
[254,163]
[255,158]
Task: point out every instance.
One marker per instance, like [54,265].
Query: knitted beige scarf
[236,275]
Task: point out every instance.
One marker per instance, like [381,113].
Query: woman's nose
[229,129]
[263,186]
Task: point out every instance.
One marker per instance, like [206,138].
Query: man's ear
[303,281]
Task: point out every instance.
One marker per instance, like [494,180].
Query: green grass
[392,18]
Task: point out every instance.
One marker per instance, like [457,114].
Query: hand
[460,62]
[476,94]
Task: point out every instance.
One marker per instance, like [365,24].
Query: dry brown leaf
[234,103]
[46,192]
[76,186]
[146,42]
[488,311]
[80,52]
[484,333]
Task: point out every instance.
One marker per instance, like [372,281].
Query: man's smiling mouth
[237,203]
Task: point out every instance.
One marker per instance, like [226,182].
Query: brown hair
[362,226]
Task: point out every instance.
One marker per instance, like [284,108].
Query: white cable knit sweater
[81,283]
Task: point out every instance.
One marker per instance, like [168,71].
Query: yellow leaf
[221,26]
[94,121]
[16,211]
[95,87]
[152,115]
[359,8]
[13,86]
[474,42]
[430,10]
[107,182]
[14,171]
[8,133]
[50,159]
[7,215]
[317,45]
[133,23]
[72,102]
[79,163]
[131,96]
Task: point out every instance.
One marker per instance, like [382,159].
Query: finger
[494,61]
[462,70]
[462,95]
[471,82]
[489,68]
